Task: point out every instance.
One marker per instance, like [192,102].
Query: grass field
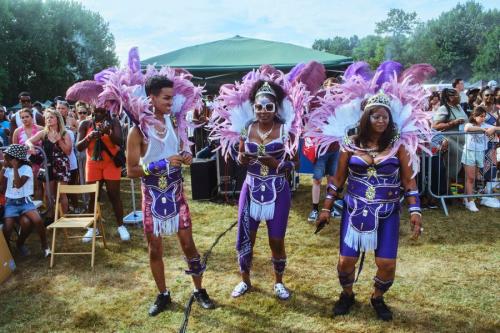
[448,281]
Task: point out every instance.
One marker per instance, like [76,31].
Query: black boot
[203,299]
[161,304]
[344,304]
[382,310]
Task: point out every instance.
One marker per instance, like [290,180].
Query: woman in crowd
[449,117]
[101,138]
[21,135]
[434,101]
[57,145]
[16,181]
[4,127]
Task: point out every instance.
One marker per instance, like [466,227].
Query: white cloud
[158,27]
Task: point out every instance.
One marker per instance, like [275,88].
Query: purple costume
[371,208]
[265,195]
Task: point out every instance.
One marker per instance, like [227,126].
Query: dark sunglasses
[487,95]
[82,112]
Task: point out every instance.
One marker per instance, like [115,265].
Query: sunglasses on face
[487,95]
[82,112]
[269,107]
[24,101]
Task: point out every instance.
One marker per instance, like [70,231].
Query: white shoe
[490,202]
[240,289]
[471,205]
[88,235]
[47,253]
[123,232]
[281,292]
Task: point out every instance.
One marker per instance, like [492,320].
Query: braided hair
[445,98]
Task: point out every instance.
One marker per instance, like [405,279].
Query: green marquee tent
[229,59]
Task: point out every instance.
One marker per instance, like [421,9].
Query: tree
[487,62]
[451,42]
[371,49]
[337,45]
[398,25]
[48,45]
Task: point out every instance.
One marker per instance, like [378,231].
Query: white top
[160,148]
[73,164]
[476,142]
[26,190]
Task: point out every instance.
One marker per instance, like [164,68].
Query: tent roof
[243,54]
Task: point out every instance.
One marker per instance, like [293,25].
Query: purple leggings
[276,228]
[387,236]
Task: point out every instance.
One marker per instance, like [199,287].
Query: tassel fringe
[261,212]
[167,227]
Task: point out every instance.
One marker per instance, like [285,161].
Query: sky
[161,26]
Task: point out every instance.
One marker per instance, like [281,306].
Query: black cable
[187,310]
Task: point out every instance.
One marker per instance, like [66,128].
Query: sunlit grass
[446,282]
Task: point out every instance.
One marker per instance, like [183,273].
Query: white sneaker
[471,205]
[47,253]
[240,289]
[123,232]
[281,292]
[88,235]
[490,202]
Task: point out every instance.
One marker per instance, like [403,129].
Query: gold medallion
[371,172]
[162,182]
[264,170]
[370,193]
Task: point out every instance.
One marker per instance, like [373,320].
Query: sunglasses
[25,100]
[269,107]
[82,112]
[487,95]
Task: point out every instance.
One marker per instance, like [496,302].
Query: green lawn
[448,281]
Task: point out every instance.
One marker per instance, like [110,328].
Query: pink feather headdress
[123,91]
[340,108]
[233,111]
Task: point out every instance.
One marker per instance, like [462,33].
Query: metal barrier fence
[458,165]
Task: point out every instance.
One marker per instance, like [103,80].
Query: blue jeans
[17,207]
[326,163]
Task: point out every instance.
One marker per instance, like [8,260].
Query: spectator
[57,145]
[471,100]
[16,178]
[4,127]
[434,101]
[21,135]
[15,120]
[458,85]
[474,148]
[101,137]
[447,118]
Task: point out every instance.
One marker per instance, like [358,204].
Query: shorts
[473,157]
[102,170]
[18,207]
[326,163]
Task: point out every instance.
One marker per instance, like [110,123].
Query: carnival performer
[156,102]
[376,162]
[263,114]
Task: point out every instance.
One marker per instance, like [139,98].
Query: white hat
[492,84]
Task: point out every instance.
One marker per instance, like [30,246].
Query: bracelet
[416,213]
[145,169]
[325,210]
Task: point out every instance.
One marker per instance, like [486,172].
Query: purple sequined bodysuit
[265,195]
[371,208]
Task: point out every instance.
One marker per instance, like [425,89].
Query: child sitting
[16,179]
[474,148]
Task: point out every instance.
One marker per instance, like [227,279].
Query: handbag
[119,158]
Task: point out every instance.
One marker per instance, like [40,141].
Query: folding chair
[77,221]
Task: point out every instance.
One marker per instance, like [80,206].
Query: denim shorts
[326,164]
[473,157]
[17,207]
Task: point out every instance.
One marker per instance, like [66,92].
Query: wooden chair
[77,221]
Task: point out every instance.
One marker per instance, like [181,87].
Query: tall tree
[48,45]
[486,65]
[337,45]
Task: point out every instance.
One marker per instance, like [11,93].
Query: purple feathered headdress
[124,92]
[340,107]
[233,111]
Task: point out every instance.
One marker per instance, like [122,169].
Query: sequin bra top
[274,148]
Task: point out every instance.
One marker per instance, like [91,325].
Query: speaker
[203,178]
[230,175]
